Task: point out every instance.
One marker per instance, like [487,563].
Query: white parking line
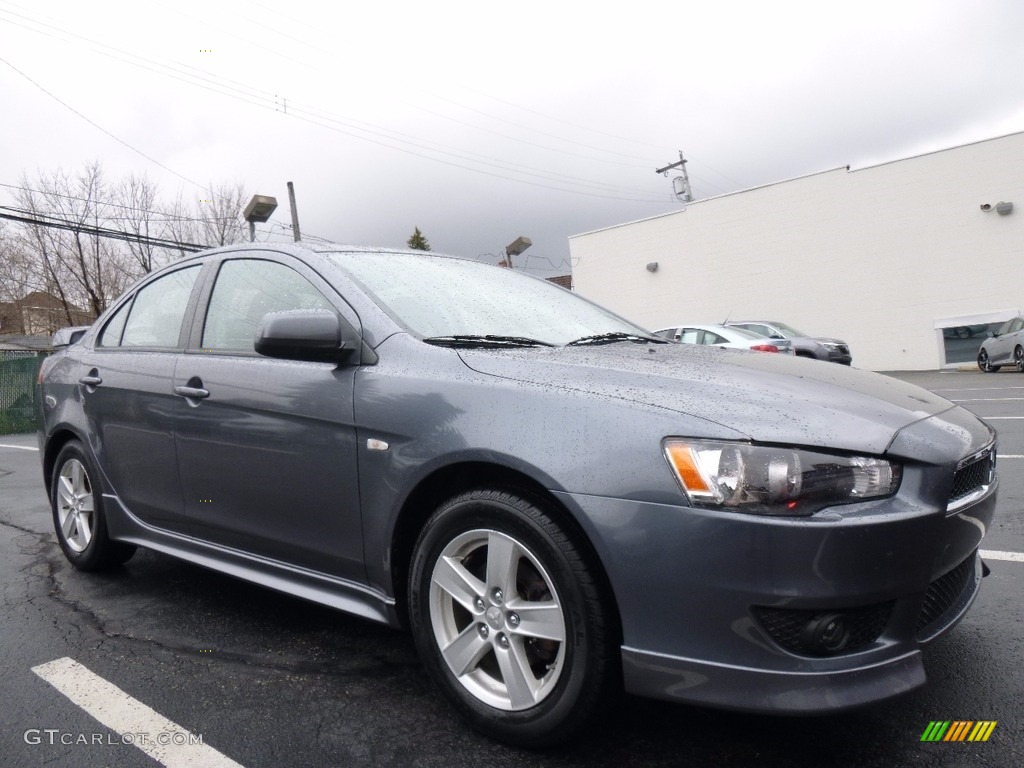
[19,447]
[1010,455]
[136,723]
[992,554]
[1000,418]
[986,399]
[976,389]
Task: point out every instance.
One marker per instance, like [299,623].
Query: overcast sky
[479,122]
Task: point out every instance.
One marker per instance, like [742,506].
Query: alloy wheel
[497,619]
[75,505]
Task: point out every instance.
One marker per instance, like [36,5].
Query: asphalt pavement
[245,676]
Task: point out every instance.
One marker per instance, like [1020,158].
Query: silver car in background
[1004,347]
[558,504]
[725,337]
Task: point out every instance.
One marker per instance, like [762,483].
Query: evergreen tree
[417,241]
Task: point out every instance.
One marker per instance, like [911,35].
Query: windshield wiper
[488,341]
[611,338]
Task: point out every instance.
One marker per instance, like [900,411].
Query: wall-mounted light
[1002,208]
[652,266]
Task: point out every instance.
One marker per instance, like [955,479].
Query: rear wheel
[509,618]
[78,517]
[984,364]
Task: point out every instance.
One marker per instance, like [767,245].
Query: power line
[96,125]
[114,234]
[166,215]
[266,102]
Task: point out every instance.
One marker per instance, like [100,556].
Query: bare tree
[89,240]
[136,196]
[78,262]
[220,222]
[179,224]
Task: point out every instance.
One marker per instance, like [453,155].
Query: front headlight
[770,480]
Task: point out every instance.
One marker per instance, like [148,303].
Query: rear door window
[158,309]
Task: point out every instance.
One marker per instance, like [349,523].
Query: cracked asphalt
[270,680]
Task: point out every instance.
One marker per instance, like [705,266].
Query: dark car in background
[556,502]
[819,348]
[1004,347]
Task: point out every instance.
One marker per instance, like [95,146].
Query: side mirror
[65,337]
[314,335]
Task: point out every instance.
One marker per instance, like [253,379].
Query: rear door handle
[192,393]
[90,381]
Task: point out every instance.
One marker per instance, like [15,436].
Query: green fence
[18,393]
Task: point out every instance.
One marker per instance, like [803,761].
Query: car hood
[767,398]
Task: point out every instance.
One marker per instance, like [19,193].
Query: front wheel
[509,618]
[1018,359]
[78,518]
[985,364]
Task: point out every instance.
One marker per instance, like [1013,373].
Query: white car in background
[725,336]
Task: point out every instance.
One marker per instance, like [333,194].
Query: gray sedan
[558,504]
[1004,347]
[816,347]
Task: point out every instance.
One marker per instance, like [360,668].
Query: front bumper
[691,585]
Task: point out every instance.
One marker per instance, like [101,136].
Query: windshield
[454,301]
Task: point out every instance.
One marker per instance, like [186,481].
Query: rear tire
[510,620]
[78,518]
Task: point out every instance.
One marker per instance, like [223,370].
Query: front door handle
[91,380]
[192,393]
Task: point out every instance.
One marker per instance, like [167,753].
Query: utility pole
[682,188]
[295,212]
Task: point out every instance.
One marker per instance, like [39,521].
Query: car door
[1000,348]
[689,335]
[712,339]
[266,447]
[126,396]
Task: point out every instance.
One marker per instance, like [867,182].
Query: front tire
[985,364]
[78,517]
[510,620]
[1018,359]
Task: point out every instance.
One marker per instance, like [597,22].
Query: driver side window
[245,291]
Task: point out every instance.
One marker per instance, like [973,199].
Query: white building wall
[878,256]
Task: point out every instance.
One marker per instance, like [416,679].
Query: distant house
[563,280]
[39,313]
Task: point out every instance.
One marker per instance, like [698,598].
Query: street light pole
[259,209]
[516,247]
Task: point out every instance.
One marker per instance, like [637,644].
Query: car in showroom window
[557,503]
